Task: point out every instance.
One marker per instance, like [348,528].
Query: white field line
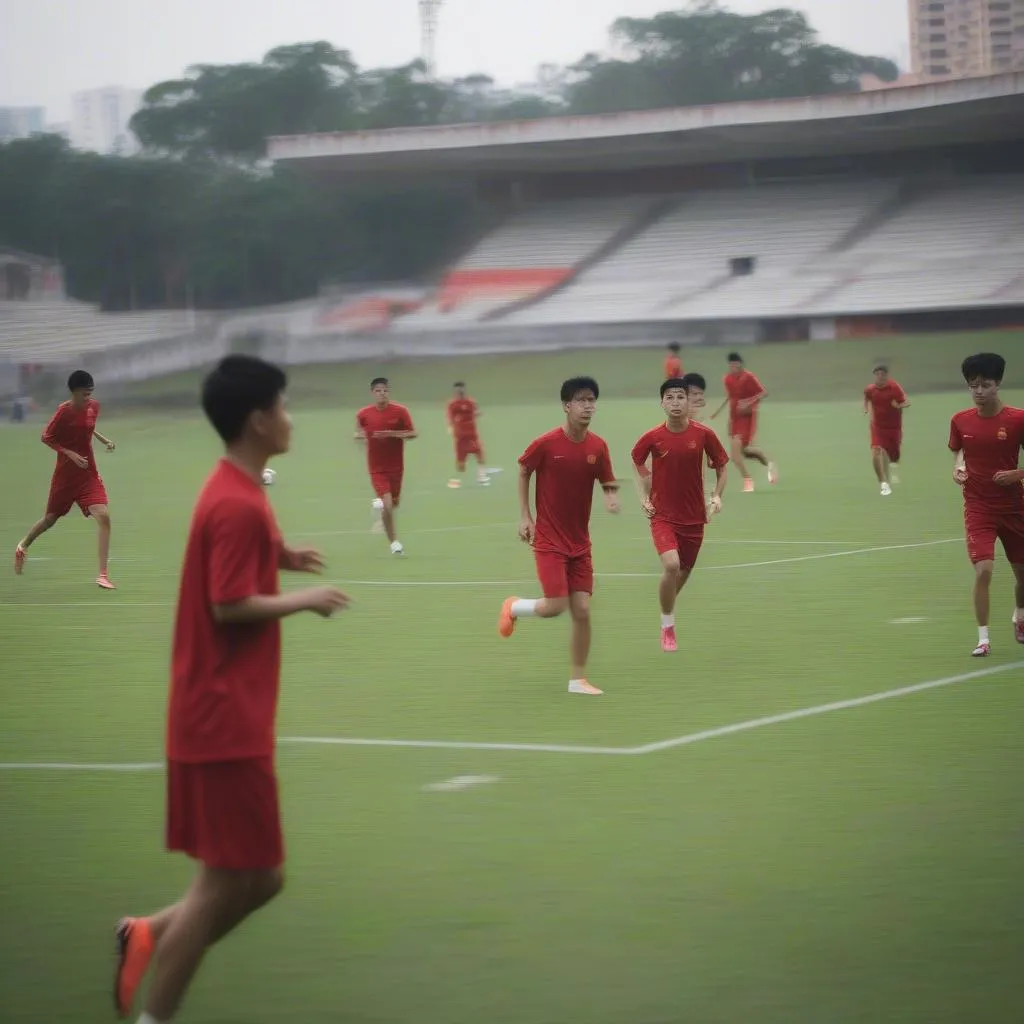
[557,748]
[405,533]
[520,583]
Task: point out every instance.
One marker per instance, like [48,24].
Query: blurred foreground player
[744,394]
[672,494]
[567,462]
[222,801]
[885,401]
[986,441]
[462,413]
[76,479]
[385,426]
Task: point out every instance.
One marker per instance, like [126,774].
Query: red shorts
[745,428]
[562,575]
[687,540]
[225,813]
[889,441]
[83,491]
[466,446]
[389,482]
[983,528]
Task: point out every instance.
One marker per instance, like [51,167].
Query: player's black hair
[672,382]
[983,365]
[459,384]
[80,379]
[674,346]
[378,380]
[694,380]
[880,366]
[574,385]
[235,388]
[734,357]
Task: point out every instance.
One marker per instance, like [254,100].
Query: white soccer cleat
[582,686]
[886,490]
[982,650]
[396,548]
[454,484]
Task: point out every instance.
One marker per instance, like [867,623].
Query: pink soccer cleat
[103,582]
[982,650]
[1018,630]
[668,639]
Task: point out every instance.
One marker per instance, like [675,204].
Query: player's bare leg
[737,453]
[390,529]
[880,460]
[38,529]
[579,644]
[673,579]
[516,608]
[217,903]
[482,476]
[1018,596]
[755,453]
[101,514]
[982,588]
[456,481]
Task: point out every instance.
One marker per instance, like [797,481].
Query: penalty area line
[558,748]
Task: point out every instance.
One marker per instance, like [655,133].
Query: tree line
[200,217]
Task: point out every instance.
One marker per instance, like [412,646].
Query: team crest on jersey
[691,445]
[1001,433]
[592,459]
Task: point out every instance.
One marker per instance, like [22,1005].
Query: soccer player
[222,797]
[567,461]
[986,443]
[462,413]
[385,426]
[672,494]
[744,394]
[76,480]
[673,364]
[885,400]
[696,387]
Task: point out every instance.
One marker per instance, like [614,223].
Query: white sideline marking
[822,709]
[555,748]
[910,620]
[429,529]
[461,782]
[519,583]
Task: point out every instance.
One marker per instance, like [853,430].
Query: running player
[673,364]
[672,494]
[76,480]
[696,387]
[567,461]
[222,798]
[744,394]
[462,413]
[385,426]
[885,400]
[986,441]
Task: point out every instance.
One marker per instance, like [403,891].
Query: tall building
[99,119]
[966,37]
[21,122]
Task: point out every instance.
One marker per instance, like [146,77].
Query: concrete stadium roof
[989,109]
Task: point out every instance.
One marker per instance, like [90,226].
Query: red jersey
[225,678]
[884,415]
[566,471]
[73,428]
[462,413]
[384,454]
[677,487]
[673,366]
[739,387]
[989,444]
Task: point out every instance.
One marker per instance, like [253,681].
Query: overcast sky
[50,48]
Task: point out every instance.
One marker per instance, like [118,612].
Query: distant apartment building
[959,38]
[21,122]
[99,119]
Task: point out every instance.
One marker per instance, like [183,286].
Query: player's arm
[756,399]
[867,402]
[606,478]
[105,441]
[300,559]
[527,525]
[407,432]
[725,402]
[956,446]
[718,459]
[901,402]
[360,434]
[234,585]
[51,438]
[642,474]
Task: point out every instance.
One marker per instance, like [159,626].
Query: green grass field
[857,865]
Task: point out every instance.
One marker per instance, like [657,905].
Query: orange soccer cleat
[134,951]
[506,620]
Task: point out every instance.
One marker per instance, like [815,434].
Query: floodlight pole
[429,13]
